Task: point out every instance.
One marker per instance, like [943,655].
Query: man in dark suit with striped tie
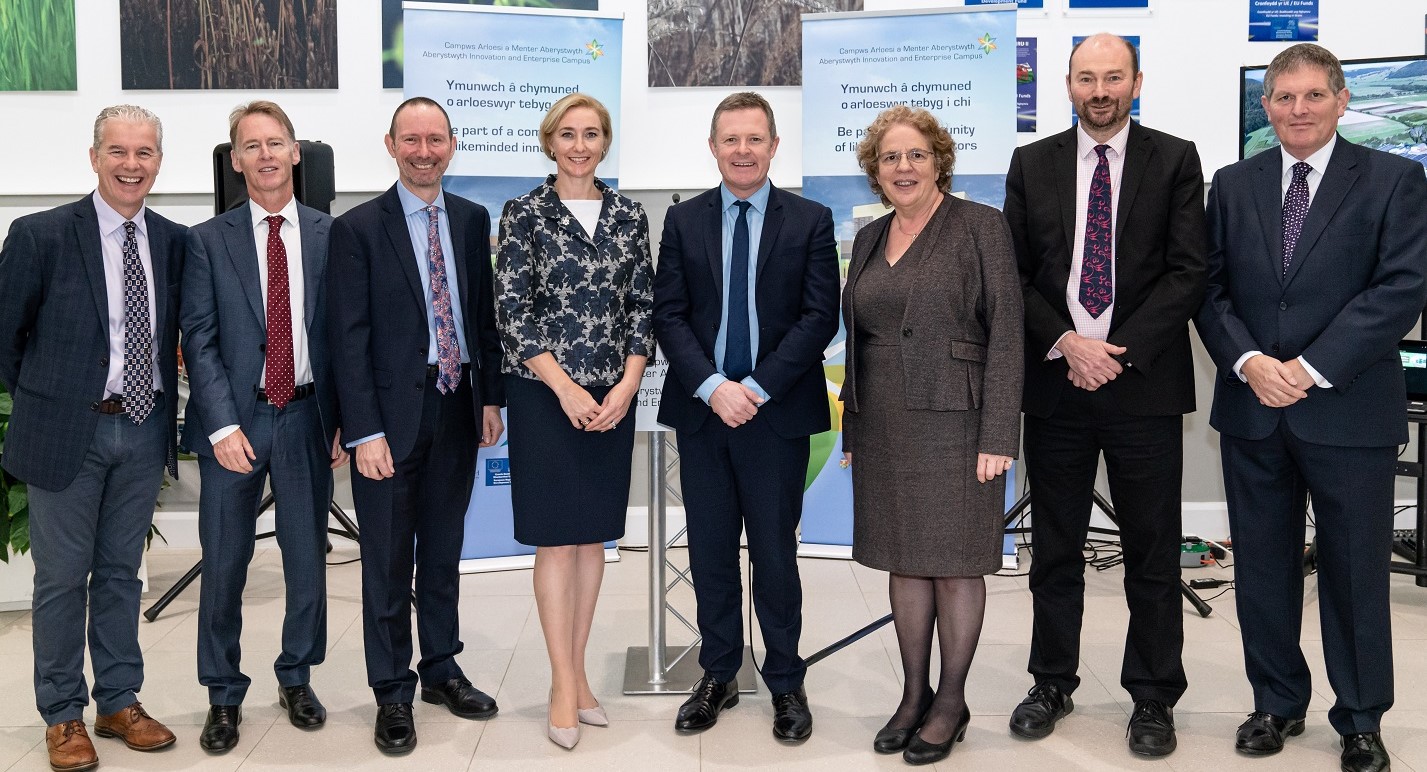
[89,350]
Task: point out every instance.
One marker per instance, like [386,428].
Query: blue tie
[737,355]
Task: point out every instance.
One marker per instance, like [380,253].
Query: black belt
[434,371]
[114,405]
[300,392]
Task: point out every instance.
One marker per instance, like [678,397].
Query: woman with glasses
[574,302]
[932,399]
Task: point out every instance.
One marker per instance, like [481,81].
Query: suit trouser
[416,520]
[1267,482]
[87,541]
[1144,462]
[289,448]
[750,479]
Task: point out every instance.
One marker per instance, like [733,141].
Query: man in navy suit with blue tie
[262,408]
[745,300]
[89,351]
[1318,250]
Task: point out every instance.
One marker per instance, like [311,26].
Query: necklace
[914,234]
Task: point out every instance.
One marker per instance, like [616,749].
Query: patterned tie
[448,349]
[138,397]
[280,371]
[1097,287]
[1295,209]
[737,355]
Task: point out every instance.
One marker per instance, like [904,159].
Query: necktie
[138,397]
[448,350]
[737,354]
[1097,286]
[1295,209]
[279,373]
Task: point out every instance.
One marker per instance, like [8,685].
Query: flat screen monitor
[1414,365]
[1387,109]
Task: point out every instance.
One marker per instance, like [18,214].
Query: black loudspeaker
[314,180]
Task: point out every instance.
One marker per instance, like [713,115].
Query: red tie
[279,347]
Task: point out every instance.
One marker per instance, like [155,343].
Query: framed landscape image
[37,46]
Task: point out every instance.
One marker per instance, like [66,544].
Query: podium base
[683,676]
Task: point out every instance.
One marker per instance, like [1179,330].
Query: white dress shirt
[291,236]
[1097,328]
[111,233]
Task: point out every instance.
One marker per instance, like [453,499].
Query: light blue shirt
[417,223]
[756,212]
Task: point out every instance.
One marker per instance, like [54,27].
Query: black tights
[954,607]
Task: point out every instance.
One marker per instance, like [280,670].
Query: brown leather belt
[115,405]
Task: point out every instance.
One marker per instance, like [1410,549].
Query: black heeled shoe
[890,740]
[920,751]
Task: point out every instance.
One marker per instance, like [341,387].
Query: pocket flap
[965,349]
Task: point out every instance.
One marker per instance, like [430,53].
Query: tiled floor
[851,693]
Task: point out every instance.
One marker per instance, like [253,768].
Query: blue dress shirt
[756,212]
[417,223]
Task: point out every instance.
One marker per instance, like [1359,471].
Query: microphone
[675,197]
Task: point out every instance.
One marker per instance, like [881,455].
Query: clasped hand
[1092,362]
[1275,383]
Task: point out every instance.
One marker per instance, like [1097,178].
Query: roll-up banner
[957,63]
[497,71]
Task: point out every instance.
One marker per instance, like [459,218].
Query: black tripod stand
[348,529]
[1024,503]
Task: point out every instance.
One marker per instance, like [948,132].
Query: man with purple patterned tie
[411,322]
[89,351]
[1107,219]
[1316,270]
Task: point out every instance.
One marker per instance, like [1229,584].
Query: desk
[1417,568]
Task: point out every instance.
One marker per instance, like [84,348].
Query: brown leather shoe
[70,748]
[136,728]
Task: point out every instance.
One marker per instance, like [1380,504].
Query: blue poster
[954,63]
[1287,20]
[497,72]
[1021,5]
[1080,5]
[1026,85]
[1135,105]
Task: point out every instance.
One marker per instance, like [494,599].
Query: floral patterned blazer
[585,298]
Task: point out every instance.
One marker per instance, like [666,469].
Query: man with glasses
[262,409]
[1108,224]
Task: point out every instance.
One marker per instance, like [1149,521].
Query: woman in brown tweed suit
[932,308]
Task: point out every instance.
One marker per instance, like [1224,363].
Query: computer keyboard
[1404,543]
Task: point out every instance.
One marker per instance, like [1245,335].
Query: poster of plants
[731,42]
[392,51]
[228,44]
[37,48]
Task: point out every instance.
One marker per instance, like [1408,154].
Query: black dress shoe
[920,751]
[1151,729]
[461,698]
[396,730]
[701,710]
[1044,705]
[892,740]
[792,721]
[1263,734]
[220,729]
[1363,752]
[303,708]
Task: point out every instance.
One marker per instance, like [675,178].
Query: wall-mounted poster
[37,45]
[1134,40]
[393,33]
[731,42]
[1021,5]
[1026,85]
[1113,5]
[1285,20]
[228,44]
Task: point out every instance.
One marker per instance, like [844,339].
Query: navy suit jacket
[796,294]
[376,309]
[224,323]
[1354,288]
[1160,266]
[54,336]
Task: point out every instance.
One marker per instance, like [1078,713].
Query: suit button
[93,405]
[1274,348]
[104,361]
[1283,306]
[907,333]
[263,347]
[420,386]
[421,351]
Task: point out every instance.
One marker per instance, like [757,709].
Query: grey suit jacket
[962,332]
[224,323]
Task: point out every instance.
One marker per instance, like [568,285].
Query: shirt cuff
[1239,365]
[368,438]
[1315,375]
[752,384]
[1054,352]
[222,434]
[706,389]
